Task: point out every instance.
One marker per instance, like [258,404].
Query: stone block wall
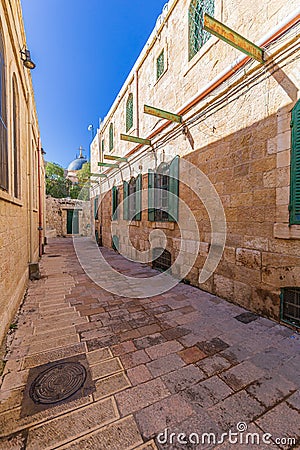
[56,216]
[238,135]
[21,211]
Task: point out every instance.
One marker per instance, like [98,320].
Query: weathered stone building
[240,125]
[21,166]
[65,216]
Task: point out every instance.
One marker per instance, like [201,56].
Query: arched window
[111,137]
[129,112]
[197,35]
[16,137]
[3,122]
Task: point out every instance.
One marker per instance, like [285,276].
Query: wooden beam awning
[103,164]
[162,114]
[233,38]
[115,158]
[137,140]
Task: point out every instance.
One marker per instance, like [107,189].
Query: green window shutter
[150,195]
[114,203]
[295,167]
[96,208]
[173,189]
[138,197]
[125,202]
[197,35]
[111,137]
[129,112]
[160,65]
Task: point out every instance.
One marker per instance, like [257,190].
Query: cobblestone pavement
[181,362]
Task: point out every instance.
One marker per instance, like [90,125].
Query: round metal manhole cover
[58,383]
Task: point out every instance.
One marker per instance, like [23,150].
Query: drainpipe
[40,228]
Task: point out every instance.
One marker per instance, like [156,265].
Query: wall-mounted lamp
[27,62]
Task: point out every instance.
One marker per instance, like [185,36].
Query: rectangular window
[290,305]
[163,192]
[115,201]
[132,204]
[96,208]
[160,65]
[3,124]
[295,167]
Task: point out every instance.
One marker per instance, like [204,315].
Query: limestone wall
[238,134]
[56,216]
[19,209]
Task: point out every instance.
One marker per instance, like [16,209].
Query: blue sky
[83,52]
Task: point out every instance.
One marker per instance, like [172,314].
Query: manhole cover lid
[58,382]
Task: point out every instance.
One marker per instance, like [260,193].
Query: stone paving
[181,362]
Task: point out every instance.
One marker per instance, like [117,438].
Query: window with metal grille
[294,206]
[96,208]
[111,137]
[163,192]
[115,202]
[16,140]
[161,181]
[290,305]
[132,204]
[3,123]
[160,65]
[197,35]
[129,112]
[161,259]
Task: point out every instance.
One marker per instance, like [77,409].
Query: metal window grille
[161,259]
[111,137]
[197,35]
[160,65]
[3,124]
[132,198]
[290,305]
[129,112]
[161,183]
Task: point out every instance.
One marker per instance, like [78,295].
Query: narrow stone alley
[182,362]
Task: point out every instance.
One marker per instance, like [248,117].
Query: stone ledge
[286,231]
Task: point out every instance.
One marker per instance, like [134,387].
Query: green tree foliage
[60,187]
[56,184]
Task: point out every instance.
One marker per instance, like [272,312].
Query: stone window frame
[16,138]
[282,142]
[4,169]
[197,36]
[129,112]
[191,63]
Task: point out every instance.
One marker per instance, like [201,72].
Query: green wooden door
[72,221]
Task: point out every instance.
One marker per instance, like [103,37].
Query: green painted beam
[162,114]
[102,164]
[115,158]
[233,38]
[137,140]
[101,175]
